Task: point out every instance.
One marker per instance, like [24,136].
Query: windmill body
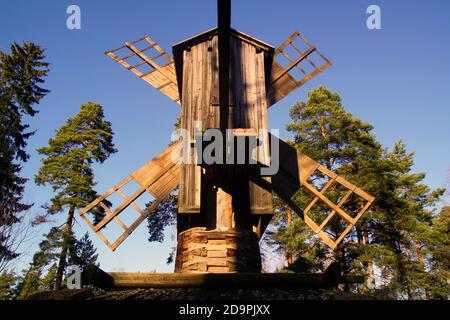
[225,80]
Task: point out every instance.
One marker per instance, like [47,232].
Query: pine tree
[325,131]
[393,235]
[398,224]
[84,253]
[22,71]
[84,139]
[437,249]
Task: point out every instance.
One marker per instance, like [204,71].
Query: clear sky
[396,78]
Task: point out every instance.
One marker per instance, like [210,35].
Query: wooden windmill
[225,79]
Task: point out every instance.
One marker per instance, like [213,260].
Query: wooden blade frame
[160,75]
[159,177]
[301,58]
[307,168]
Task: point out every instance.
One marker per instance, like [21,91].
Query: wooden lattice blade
[148,61]
[301,170]
[302,62]
[158,177]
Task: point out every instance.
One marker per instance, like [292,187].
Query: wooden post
[224,23]
[224,208]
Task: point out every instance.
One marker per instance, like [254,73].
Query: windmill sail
[148,61]
[159,177]
[295,62]
[295,165]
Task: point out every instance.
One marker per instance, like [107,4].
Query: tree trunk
[289,258]
[370,272]
[421,262]
[64,249]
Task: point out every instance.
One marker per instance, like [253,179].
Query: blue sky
[396,78]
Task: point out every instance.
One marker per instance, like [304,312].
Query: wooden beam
[313,202]
[168,75]
[293,64]
[324,222]
[97,277]
[328,279]
[331,277]
[329,203]
[104,196]
[224,27]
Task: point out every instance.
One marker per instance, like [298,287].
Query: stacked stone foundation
[216,251]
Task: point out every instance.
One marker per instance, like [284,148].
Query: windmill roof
[180,47]
[199,38]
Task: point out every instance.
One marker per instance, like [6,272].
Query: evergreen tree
[84,139]
[392,234]
[437,250]
[84,252]
[40,275]
[398,223]
[22,71]
[165,215]
[326,132]
[7,284]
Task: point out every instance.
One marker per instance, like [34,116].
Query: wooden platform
[125,280]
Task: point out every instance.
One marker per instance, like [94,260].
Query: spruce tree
[22,73]
[83,252]
[67,167]
[40,275]
[7,284]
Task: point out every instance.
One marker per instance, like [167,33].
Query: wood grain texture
[159,177]
[247,110]
[282,81]
[162,77]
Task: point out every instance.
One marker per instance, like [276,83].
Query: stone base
[217,251]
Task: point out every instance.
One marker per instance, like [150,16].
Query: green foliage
[83,253]
[48,249]
[29,285]
[399,235]
[437,249]
[22,71]
[164,215]
[7,284]
[41,274]
[66,166]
